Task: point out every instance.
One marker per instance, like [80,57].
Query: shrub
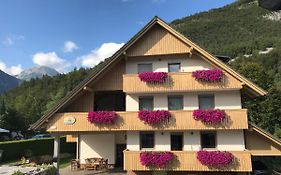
[102,117]
[153,77]
[154,117]
[14,150]
[156,159]
[210,116]
[212,75]
[216,159]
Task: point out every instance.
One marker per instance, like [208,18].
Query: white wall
[223,100]
[162,141]
[97,145]
[160,63]
[231,140]
[192,141]
[133,140]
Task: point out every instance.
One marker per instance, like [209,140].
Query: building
[189,79]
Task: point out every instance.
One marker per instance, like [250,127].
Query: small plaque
[69,120]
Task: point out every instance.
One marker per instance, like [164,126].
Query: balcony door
[177,141]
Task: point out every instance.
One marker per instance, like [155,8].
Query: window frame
[140,139]
[206,95]
[142,97]
[174,63]
[215,139]
[150,64]
[176,96]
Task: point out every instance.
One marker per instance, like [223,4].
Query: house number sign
[69,120]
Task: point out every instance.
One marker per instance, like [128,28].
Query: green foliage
[16,149]
[18,173]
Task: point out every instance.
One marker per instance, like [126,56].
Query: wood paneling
[71,138]
[177,82]
[180,120]
[187,161]
[83,102]
[158,41]
[260,145]
[112,79]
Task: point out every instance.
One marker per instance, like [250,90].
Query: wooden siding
[181,120]
[112,79]
[177,82]
[83,102]
[187,161]
[260,145]
[158,41]
[71,138]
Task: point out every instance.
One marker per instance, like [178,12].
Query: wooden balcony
[187,161]
[128,121]
[177,82]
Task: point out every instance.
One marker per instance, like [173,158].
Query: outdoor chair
[92,163]
[75,165]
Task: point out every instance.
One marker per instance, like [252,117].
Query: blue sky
[64,34]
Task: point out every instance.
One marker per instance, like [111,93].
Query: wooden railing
[178,82]
[180,120]
[187,161]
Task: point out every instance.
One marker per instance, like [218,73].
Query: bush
[16,149]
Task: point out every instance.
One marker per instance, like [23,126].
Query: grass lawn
[66,162]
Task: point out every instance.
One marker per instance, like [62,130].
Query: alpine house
[162,104]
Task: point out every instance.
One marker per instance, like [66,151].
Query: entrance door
[177,141]
[119,154]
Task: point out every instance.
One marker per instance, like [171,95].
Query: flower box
[211,75]
[153,77]
[102,117]
[156,159]
[154,117]
[215,159]
[210,116]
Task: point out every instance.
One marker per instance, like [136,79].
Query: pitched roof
[251,87]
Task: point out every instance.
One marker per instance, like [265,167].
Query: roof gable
[172,34]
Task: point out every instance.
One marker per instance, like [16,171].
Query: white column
[56,156]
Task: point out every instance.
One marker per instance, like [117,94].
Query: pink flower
[153,77]
[102,117]
[216,159]
[212,75]
[154,117]
[156,159]
[210,116]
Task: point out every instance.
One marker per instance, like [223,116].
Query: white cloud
[10,40]
[69,46]
[99,54]
[50,59]
[13,70]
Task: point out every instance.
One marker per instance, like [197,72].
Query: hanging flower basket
[156,159]
[215,159]
[102,117]
[210,116]
[154,117]
[212,75]
[153,77]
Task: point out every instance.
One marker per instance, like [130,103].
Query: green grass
[66,162]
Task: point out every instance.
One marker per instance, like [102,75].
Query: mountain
[37,72]
[7,82]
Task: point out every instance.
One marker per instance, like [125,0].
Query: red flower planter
[156,159]
[212,75]
[154,117]
[102,117]
[153,77]
[215,159]
[210,116]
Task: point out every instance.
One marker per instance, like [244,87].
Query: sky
[64,34]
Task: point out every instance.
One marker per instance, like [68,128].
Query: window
[176,141]
[146,140]
[175,102]
[146,103]
[145,67]
[208,139]
[206,102]
[174,67]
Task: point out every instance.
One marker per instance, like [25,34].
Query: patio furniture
[103,164]
[92,163]
[75,165]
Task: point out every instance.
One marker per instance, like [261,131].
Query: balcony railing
[126,121]
[177,82]
[187,161]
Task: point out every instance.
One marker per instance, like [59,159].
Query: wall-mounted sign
[69,120]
